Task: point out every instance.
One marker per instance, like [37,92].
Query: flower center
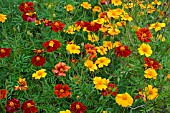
[77,106]
[101,61]
[124,97]
[73,47]
[40,73]
[30,14]
[56,24]
[25,5]
[150,92]
[92,23]
[122,48]
[2,51]
[37,58]
[144,35]
[145,49]
[61,69]
[51,44]
[11,104]
[61,90]
[29,105]
[109,89]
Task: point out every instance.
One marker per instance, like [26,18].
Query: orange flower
[57,26]
[122,51]
[62,91]
[22,84]
[91,54]
[3,93]
[4,52]
[38,60]
[52,45]
[144,34]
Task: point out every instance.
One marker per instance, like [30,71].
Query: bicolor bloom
[145,49]
[125,100]
[73,49]
[96,9]
[26,7]
[2,18]
[62,91]
[116,2]
[86,5]
[38,60]
[12,105]
[22,84]
[108,44]
[93,38]
[29,107]
[100,83]
[122,51]
[39,74]
[92,26]
[102,61]
[150,73]
[78,107]
[102,50]
[151,92]
[157,26]
[69,8]
[111,89]
[3,93]
[144,34]
[57,26]
[89,47]
[90,65]
[91,54]
[149,62]
[4,52]
[46,22]
[29,16]
[51,45]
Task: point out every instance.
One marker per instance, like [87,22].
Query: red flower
[91,54]
[152,63]
[60,68]
[4,52]
[89,46]
[29,107]
[51,45]
[104,2]
[12,105]
[29,17]
[122,51]
[3,93]
[144,34]
[38,60]
[46,22]
[26,7]
[57,26]
[62,91]
[80,23]
[112,89]
[92,26]
[78,107]
[38,51]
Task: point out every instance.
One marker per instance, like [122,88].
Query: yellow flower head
[96,9]
[67,111]
[108,44]
[2,18]
[157,26]
[93,38]
[117,44]
[113,31]
[102,61]
[126,17]
[90,65]
[39,74]
[113,14]
[101,50]
[145,49]
[151,92]
[71,29]
[86,5]
[100,83]
[116,2]
[150,73]
[124,100]
[69,7]
[73,49]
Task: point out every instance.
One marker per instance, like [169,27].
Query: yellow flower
[117,44]
[70,30]
[150,73]
[105,111]
[101,50]
[73,49]
[108,44]
[113,31]
[2,18]
[67,111]
[113,14]
[145,49]
[93,38]
[69,7]
[160,37]
[90,65]
[168,77]
[156,2]
[151,92]
[122,23]
[39,74]
[96,9]
[116,2]
[157,26]
[86,5]
[126,17]
[102,61]
[100,83]
[124,100]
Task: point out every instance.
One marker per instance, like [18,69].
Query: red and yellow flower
[62,91]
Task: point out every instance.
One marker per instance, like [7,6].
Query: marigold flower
[67,111]
[124,100]
[93,38]
[51,45]
[38,60]
[156,2]
[78,107]
[39,74]
[22,84]
[46,22]
[3,93]
[145,49]
[108,44]
[2,18]
[69,8]
[144,34]
[4,52]
[57,26]
[89,46]
[113,14]
[150,73]
[29,16]
[116,2]
[90,65]
[102,61]
[126,17]
[37,22]
[168,77]
[122,51]
[117,44]
[29,107]
[151,92]
[91,54]
[100,83]
[121,23]
[102,50]
[111,89]
[62,91]
[26,7]
[157,26]
[113,31]
[152,63]
[96,9]
[38,51]
[60,69]
[12,105]
[73,49]
[86,5]
[104,2]
[92,26]
[71,29]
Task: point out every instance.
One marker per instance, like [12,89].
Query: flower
[151,92]
[92,26]
[108,44]
[57,26]
[46,22]
[78,107]
[117,44]
[150,73]
[89,47]
[103,2]
[111,89]
[113,31]
[67,111]
[12,105]
[96,9]
[38,60]
[38,51]
[145,49]
[51,45]
[91,54]
[102,50]
[116,2]
[102,61]
[62,91]
[168,77]
[4,52]
[69,8]
[86,5]
[73,49]
[3,93]
[29,107]
[90,65]
[100,83]
[26,7]
[144,34]
[22,84]
[149,62]
[60,69]
[124,100]
[29,16]
[122,51]
[93,38]
[2,18]
[157,26]
[39,74]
